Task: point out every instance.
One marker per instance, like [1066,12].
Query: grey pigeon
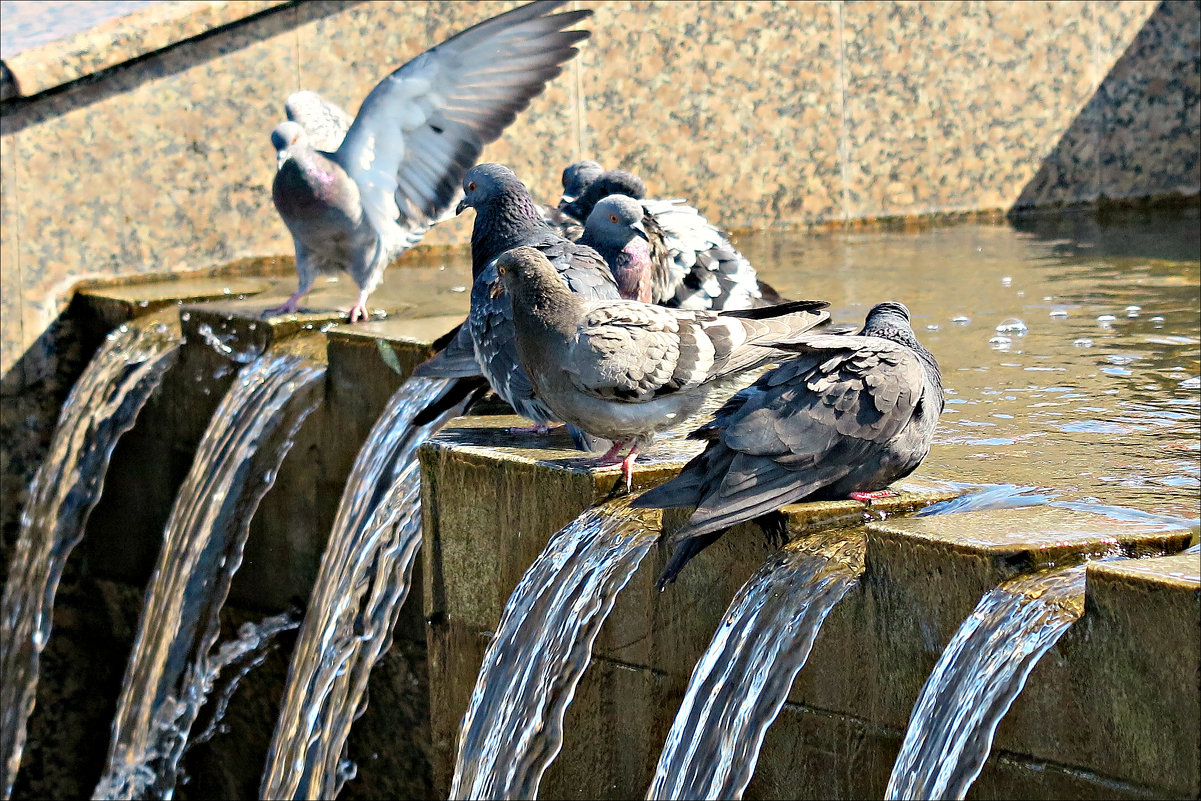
[621,369]
[846,417]
[632,244]
[577,176]
[700,269]
[396,171]
[507,217]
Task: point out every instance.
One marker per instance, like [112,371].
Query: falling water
[513,728]
[169,669]
[740,683]
[363,582]
[101,407]
[978,676]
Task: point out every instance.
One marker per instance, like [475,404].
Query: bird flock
[614,313]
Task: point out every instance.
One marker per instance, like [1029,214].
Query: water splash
[976,679]
[102,406]
[741,682]
[513,728]
[250,648]
[235,464]
[363,582]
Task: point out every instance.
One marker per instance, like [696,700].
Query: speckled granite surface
[780,113]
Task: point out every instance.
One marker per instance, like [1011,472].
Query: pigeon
[395,170]
[507,217]
[577,176]
[700,268]
[632,244]
[623,370]
[846,417]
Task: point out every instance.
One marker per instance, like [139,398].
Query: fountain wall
[140,146]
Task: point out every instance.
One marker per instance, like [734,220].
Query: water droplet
[933,327]
[185,316]
[143,304]
[226,291]
[1000,343]
[123,328]
[1106,320]
[1059,314]
[959,319]
[1132,311]
[1157,321]
[1083,342]
[328,327]
[252,326]
[308,326]
[458,289]
[1006,280]
[1012,325]
[1048,298]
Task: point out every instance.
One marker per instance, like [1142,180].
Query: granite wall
[140,146]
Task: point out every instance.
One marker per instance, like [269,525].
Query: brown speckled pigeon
[397,169]
[847,416]
[623,370]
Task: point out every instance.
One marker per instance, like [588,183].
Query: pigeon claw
[287,307]
[868,497]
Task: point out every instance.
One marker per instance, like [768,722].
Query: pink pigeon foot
[359,310]
[610,457]
[287,307]
[868,497]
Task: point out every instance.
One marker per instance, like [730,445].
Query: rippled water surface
[1078,405]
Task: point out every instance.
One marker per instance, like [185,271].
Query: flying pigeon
[395,170]
[622,370]
[846,417]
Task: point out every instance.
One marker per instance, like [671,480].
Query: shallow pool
[1069,347]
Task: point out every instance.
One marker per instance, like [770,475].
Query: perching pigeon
[397,169]
[701,270]
[621,369]
[847,416]
[577,176]
[632,244]
[506,217]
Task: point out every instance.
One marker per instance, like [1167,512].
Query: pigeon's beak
[641,230]
[463,206]
[566,200]
[280,158]
[497,289]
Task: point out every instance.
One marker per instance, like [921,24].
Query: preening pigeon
[695,265]
[396,170]
[507,217]
[621,369]
[847,415]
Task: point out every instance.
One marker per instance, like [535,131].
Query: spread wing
[423,126]
[325,123]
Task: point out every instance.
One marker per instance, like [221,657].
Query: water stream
[102,406]
[513,728]
[170,669]
[363,582]
[975,681]
[742,680]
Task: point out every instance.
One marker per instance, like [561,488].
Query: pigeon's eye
[471,186]
[612,218]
